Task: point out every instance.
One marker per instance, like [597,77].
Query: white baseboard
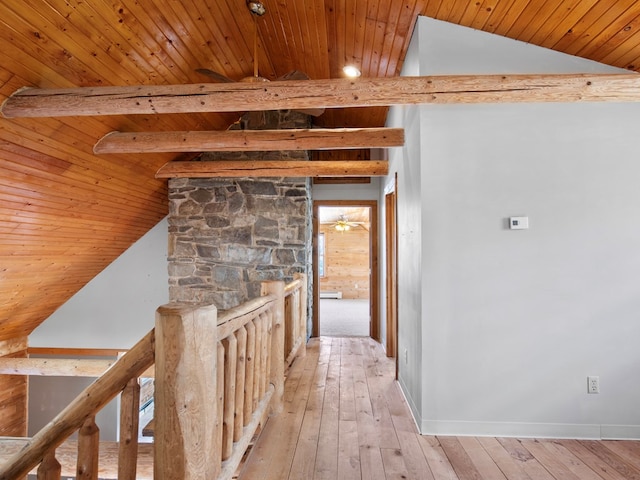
[415,412]
[531,430]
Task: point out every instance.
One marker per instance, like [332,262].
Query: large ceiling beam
[250,140]
[273,168]
[333,93]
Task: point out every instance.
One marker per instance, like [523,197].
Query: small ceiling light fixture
[256,8]
[351,71]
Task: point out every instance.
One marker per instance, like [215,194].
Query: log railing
[218,377]
[79,416]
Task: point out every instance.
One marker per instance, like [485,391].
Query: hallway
[345,418]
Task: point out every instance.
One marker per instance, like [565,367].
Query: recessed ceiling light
[351,71]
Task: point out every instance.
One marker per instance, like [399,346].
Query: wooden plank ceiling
[66,213]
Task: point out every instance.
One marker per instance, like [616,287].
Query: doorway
[391,270]
[345,259]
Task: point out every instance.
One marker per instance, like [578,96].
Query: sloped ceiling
[65,213]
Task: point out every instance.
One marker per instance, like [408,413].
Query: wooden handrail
[92,399]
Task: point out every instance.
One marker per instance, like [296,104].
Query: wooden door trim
[374,287]
[391,241]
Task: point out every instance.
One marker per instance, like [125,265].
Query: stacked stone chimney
[227,235]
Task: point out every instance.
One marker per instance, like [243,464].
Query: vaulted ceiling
[66,213]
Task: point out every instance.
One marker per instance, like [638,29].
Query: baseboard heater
[337,295]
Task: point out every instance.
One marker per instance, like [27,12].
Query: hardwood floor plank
[394,467]
[399,410]
[460,460]
[481,459]
[371,463]
[347,396]
[304,459]
[348,450]
[529,463]
[598,465]
[629,450]
[414,460]
[436,458]
[378,383]
[553,464]
[573,463]
[510,468]
[327,455]
[614,460]
[367,427]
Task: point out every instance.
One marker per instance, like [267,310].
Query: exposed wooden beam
[60,367]
[275,168]
[332,93]
[250,140]
[54,366]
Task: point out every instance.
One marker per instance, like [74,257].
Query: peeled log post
[88,450]
[186,370]
[129,422]
[50,468]
[277,344]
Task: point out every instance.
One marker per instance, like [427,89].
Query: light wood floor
[345,418]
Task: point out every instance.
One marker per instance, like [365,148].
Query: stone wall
[227,236]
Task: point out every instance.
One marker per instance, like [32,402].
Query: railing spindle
[129,422]
[257,364]
[238,421]
[303,314]
[264,346]
[218,430]
[269,350]
[88,450]
[230,345]
[249,373]
[50,468]
[289,325]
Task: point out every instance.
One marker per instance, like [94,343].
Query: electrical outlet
[593,384]
[406,356]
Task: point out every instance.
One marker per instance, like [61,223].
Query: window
[321,254]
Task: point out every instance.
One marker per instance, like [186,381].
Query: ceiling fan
[343,224]
[257,9]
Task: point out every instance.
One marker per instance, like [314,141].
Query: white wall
[355,191]
[117,308]
[114,310]
[510,323]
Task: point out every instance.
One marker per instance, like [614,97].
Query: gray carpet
[344,318]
